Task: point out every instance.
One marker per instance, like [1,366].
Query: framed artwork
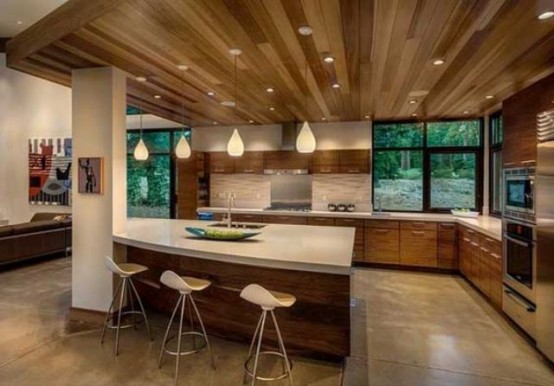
[50,171]
[91,175]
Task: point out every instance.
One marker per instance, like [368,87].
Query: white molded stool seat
[268,301]
[185,285]
[126,288]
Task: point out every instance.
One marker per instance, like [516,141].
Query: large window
[151,183]
[432,166]
[496,185]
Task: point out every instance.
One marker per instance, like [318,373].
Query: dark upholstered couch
[46,234]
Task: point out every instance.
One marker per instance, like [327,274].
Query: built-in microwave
[519,193]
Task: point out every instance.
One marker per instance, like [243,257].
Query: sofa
[46,234]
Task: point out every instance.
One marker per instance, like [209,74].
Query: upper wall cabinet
[221,162]
[519,147]
[341,161]
[251,162]
[283,159]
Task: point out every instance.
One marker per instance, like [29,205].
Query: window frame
[494,148]
[426,164]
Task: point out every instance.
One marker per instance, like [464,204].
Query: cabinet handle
[382,231]
[466,240]
[447,226]
[418,224]
[218,170]
[470,232]
[418,233]
[474,244]
[320,219]
[485,250]
[518,301]
[248,170]
[509,163]
[353,170]
[496,256]
[325,170]
[529,161]
[347,220]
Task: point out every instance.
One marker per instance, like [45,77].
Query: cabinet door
[295,220]
[251,162]
[418,247]
[322,221]
[354,161]
[221,162]
[382,245]
[325,162]
[359,247]
[447,256]
[284,159]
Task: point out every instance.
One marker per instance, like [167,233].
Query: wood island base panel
[317,326]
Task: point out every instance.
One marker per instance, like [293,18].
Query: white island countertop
[296,247]
[488,225]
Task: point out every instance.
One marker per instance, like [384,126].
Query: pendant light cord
[307,87]
[183,100]
[140,123]
[236,85]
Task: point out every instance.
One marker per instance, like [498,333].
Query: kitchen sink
[238,225]
[380,214]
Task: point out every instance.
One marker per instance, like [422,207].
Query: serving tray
[219,234]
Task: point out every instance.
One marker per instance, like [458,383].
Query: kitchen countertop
[488,225]
[296,247]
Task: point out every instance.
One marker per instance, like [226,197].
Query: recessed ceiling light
[412,102]
[414,115]
[323,118]
[158,96]
[211,93]
[305,30]
[438,62]
[269,89]
[366,117]
[182,67]
[19,22]
[228,103]
[214,123]
[336,85]
[272,108]
[250,121]
[489,97]
[328,59]
[466,112]
[546,15]
[235,51]
[140,79]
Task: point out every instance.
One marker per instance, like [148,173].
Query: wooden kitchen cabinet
[359,238]
[418,243]
[221,163]
[278,219]
[382,241]
[321,221]
[251,162]
[325,162]
[258,218]
[447,251]
[287,159]
[354,161]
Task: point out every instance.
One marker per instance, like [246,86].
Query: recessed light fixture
[269,89]
[158,96]
[336,85]
[228,103]
[250,121]
[414,115]
[140,79]
[546,15]
[412,101]
[305,30]
[182,67]
[466,112]
[328,59]
[211,93]
[366,117]
[19,22]
[215,123]
[323,118]
[438,62]
[272,108]
[489,97]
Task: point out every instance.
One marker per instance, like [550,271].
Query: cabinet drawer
[470,234]
[382,245]
[492,246]
[349,222]
[418,225]
[354,161]
[418,248]
[353,169]
[385,224]
[447,231]
[251,162]
[325,169]
[249,217]
[323,221]
[358,253]
[295,220]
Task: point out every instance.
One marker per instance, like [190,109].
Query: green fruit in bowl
[223,234]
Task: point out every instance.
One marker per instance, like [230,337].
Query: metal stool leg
[179,339]
[258,348]
[119,315]
[109,312]
[203,330]
[167,330]
[252,345]
[131,302]
[141,309]
[282,344]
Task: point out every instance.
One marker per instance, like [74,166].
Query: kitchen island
[312,263]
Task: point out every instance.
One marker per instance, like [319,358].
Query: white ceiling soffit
[18,15]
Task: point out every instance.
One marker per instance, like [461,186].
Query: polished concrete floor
[408,329]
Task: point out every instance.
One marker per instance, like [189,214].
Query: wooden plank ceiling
[383,54]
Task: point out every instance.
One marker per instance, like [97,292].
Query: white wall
[150,121]
[342,135]
[29,107]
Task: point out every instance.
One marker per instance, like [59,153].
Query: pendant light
[141,151]
[235,146]
[183,150]
[305,141]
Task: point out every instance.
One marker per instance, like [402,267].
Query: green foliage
[453,133]
[391,135]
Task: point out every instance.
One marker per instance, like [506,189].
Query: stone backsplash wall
[251,190]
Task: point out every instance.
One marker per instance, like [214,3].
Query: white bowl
[461,213]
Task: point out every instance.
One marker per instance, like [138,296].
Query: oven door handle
[518,242]
[516,299]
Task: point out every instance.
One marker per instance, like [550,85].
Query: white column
[99,130]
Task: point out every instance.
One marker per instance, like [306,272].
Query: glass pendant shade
[235,146]
[141,151]
[182,150]
[305,141]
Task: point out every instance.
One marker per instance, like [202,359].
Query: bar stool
[185,285]
[125,288]
[268,301]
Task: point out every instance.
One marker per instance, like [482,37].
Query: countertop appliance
[545,233]
[519,193]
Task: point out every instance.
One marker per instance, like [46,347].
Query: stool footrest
[128,325]
[270,353]
[189,352]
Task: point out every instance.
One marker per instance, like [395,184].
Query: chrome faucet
[230,204]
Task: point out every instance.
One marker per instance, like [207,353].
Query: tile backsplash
[254,191]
